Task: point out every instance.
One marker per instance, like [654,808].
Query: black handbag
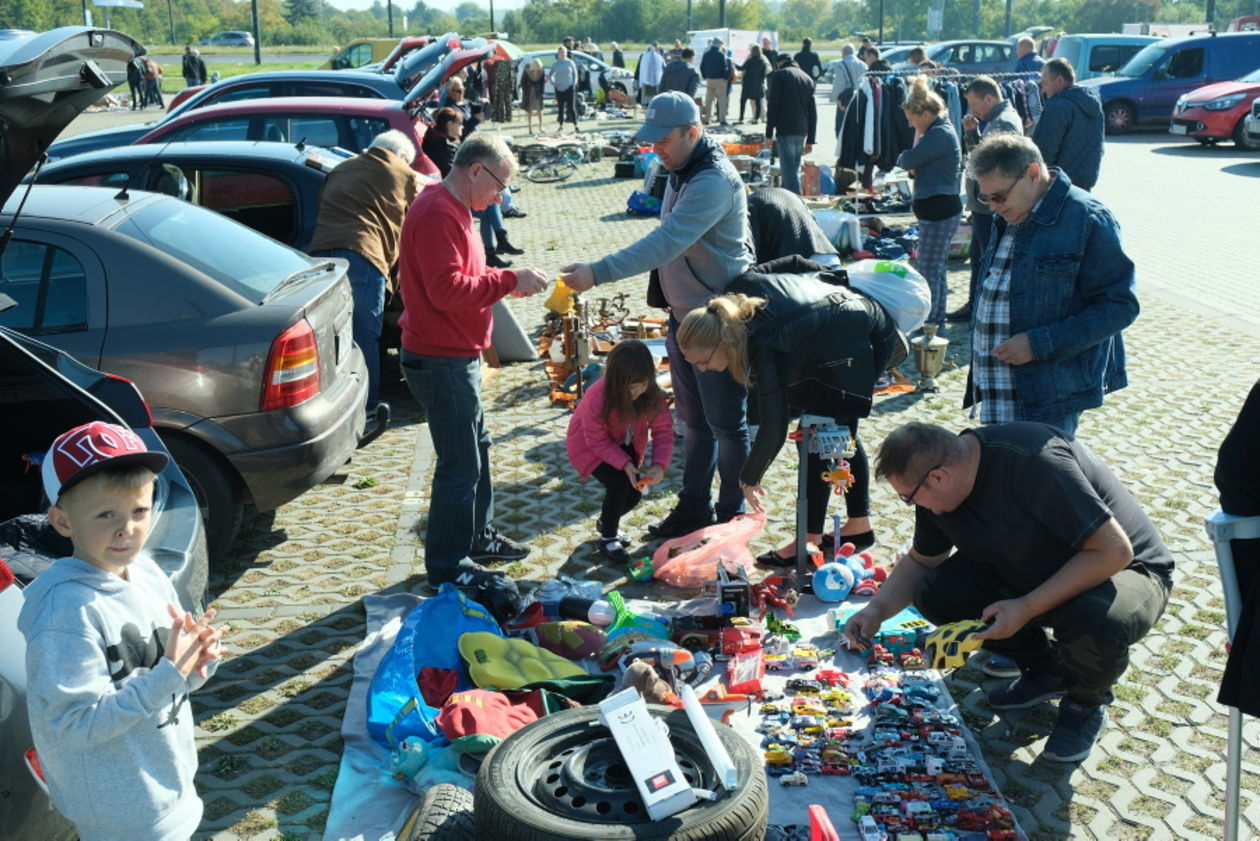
[656,295]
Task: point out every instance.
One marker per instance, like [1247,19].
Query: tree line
[316,23]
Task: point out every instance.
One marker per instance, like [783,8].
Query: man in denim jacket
[1056,290]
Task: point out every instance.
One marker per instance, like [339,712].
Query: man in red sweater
[448,292]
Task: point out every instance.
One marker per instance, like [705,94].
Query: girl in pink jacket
[608,437]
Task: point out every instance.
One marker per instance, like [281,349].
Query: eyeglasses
[497,179]
[908,499]
[1000,198]
[705,364]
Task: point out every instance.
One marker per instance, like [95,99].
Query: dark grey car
[241,345]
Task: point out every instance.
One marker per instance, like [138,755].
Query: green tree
[297,11]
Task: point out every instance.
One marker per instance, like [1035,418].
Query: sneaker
[500,548]
[1028,690]
[1075,732]
[512,212]
[999,665]
[613,549]
[491,589]
[681,522]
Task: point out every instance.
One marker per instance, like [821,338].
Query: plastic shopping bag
[841,229]
[428,639]
[899,288]
[692,559]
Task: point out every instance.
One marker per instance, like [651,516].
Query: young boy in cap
[110,657]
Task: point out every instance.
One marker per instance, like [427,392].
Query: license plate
[1178,129]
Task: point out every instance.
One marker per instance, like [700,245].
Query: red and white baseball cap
[90,448]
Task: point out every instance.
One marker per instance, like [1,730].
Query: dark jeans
[367,290]
[461,501]
[818,493]
[565,106]
[153,92]
[713,408]
[620,496]
[1093,631]
[137,93]
[981,234]
[757,101]
[491,221]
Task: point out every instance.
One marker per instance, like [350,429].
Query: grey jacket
[703,241]
[936,161]
[1002,118]
[109,713]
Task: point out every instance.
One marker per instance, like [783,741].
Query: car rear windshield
[245,261]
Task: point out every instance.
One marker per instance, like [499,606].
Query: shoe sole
[479,558]
[1077,757]
[1023,705]
[998,671]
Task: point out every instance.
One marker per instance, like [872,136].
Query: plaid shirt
[993,383]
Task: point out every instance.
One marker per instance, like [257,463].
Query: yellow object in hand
[560,300]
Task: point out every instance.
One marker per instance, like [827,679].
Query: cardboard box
[648,754]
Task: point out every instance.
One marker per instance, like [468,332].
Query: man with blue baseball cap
[701,245]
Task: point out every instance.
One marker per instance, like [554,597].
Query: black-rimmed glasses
[908,499]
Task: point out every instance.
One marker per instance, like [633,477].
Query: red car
[1216,112]
[326,121]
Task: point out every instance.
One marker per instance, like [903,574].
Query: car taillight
[6,576]
[37,770]
[292,374]
[147,412]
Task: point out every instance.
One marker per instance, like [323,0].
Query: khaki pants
[715,89]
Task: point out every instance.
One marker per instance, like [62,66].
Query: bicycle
[559,164]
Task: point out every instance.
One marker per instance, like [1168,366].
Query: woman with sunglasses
[802,345]
[936,163]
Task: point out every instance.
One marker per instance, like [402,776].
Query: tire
[562,778]
[217,489]
[546,172]
[1240,136]
[1119,118]
[445,813]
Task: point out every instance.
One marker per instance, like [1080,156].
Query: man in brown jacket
[361,210]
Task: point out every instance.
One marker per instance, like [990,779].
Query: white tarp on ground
[368,806]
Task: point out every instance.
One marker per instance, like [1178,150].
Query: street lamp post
[170,13]
[389,14]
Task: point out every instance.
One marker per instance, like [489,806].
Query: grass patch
[252,824]
[1119,767]
[1190,762]
[256,705]
[1157,726]
[294,802]
[365,483]
[218,809]
[1151,807]
[262,787]
[294,688]
[1175,709]
[219,723]
[1195,632]
[1131,694]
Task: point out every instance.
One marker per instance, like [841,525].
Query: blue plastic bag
[642,204]
[428,638]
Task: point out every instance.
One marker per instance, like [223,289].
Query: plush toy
[642,676]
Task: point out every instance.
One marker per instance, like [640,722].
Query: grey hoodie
[703,241]
[109,713]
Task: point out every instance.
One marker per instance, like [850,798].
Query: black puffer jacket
[816,347]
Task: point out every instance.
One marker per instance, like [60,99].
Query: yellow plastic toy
[560,300]
[841,476]
[948,646]
[498,663]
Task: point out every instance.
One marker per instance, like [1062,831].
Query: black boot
[494,261]
[505,247]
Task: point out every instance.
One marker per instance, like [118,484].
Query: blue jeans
[790,150]
[491,221]
[367,290]
[461,500]
[713,410]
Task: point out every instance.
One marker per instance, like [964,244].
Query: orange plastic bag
[692,559]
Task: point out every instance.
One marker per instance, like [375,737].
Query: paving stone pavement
[268,724]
